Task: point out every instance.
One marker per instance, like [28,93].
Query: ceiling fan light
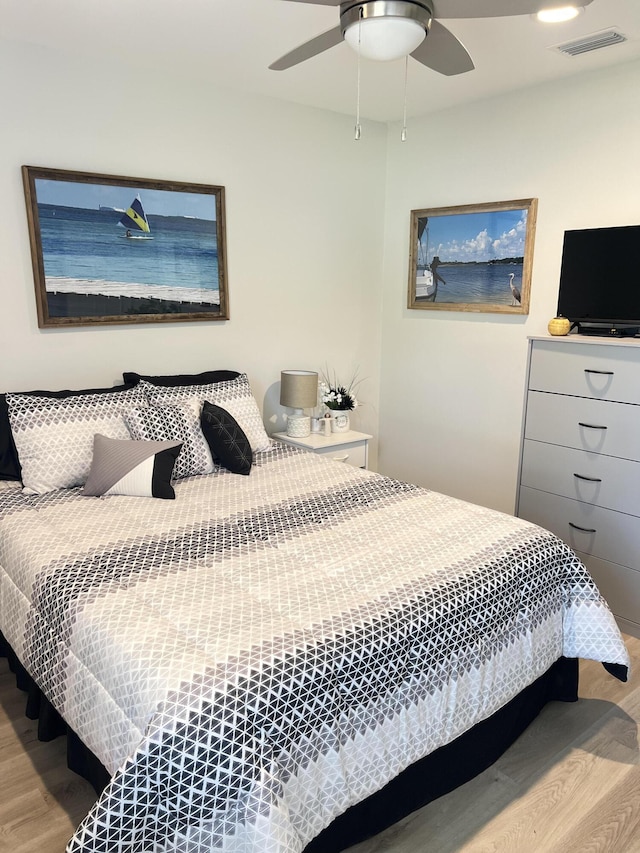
[384,39]
[558,14]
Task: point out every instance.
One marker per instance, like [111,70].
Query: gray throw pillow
[134,468]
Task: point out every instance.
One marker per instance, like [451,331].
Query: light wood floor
[570,784]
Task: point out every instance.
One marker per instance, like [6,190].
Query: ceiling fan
[390,29]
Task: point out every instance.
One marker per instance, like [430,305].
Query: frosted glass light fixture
[298,391]
[558,14]
[384,39]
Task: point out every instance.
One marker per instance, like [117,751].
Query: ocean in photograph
[82,247]
[478,283]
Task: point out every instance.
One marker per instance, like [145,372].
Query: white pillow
[233,395]
[54,436]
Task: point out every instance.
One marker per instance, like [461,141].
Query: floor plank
[569,785]
[566,786]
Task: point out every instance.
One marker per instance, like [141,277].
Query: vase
[559,326]
[339,421]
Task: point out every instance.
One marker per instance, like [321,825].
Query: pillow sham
[169,381]
[228,444]
[174,423]
[9,462]
[234,395]
[54,434]
[134,468]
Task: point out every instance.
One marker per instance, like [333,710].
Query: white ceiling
[231,43]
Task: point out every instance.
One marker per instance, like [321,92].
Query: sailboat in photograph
[426,288]
[135,221]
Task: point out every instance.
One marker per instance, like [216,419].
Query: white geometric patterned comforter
[254,657]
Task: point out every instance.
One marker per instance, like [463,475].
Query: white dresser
[580,460]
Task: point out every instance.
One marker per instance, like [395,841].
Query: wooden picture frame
[473,257]
[108,249]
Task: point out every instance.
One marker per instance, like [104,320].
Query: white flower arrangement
[337,396]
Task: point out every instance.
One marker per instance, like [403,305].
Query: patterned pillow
[235,396]
[9,463]
[228,444]
[134,468]
[174,423]
[54,436]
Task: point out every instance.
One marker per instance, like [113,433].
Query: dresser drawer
[586,370]
[589,477]
[353,454]
[603,533]
[620,586]
[579,422]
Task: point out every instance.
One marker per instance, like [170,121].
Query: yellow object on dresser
[559,326]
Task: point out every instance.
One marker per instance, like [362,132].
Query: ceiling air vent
[595,41]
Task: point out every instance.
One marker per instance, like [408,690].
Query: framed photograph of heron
[474,257]
[109,249]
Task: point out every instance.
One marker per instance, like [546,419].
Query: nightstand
[351,447]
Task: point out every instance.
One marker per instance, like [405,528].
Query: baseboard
[628,627]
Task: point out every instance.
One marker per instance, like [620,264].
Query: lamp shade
[386,38]
[298,389]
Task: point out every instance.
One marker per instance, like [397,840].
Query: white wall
[452,384]
[304,224]
[309,213]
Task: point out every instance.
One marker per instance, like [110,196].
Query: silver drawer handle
[582,529]
[591,426]
[590,479]
[341,458]
[601,372]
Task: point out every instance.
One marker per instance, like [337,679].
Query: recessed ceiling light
[558,14]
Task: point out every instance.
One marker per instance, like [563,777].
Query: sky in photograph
[476,236]
[158,202]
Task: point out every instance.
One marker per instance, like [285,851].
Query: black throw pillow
[228,444]
[175,380]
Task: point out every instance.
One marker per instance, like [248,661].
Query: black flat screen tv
[600,280]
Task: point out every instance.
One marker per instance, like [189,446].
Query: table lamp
[298,391]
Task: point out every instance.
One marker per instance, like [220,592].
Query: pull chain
[403,135]
[358,129]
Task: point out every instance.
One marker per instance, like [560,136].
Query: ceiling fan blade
[491,8]
[310,48]
[442,52]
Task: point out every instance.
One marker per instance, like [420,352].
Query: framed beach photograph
[108,249]
[474,257]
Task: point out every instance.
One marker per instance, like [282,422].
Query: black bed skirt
[426,780]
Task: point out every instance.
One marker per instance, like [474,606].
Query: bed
[254,659]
